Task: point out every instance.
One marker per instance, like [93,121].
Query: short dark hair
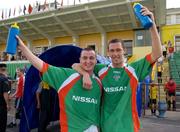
[116,41]
[2,65]
[170,78]
[87,49]
[21,70]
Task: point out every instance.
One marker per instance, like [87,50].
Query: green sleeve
[143,67]
[55,76]
[98,67]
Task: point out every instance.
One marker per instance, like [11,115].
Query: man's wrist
[153,26]
[85,74]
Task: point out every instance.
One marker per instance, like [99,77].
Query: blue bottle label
[12,41]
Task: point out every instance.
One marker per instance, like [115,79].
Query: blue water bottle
[146,21]
[11,40]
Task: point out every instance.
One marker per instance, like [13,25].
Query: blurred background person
[44,105]
[4,97]
[171,90]
[153,98]
[18,96]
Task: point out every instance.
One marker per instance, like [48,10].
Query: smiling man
[74,100]
[120,81]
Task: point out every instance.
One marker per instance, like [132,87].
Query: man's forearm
[79,69]
[156,43]
[35,61]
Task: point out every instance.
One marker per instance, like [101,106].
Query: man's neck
[118,65]
[90,73]
[21,75]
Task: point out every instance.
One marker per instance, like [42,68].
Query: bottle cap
[136,4]
[15,25]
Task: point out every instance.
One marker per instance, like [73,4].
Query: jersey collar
[111,65]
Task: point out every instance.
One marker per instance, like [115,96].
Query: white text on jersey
[115,89]
[84,99]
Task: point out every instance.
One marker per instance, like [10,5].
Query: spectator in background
[18,95]
[4,97]
[170,50]
[169,43]
[153,98]
[44,105]
[171,90]
[13,58]
[164,51]
[160,60]
[4,57]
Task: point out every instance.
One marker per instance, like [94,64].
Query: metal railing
[161,95]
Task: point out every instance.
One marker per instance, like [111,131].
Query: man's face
[171,81]
[19,73]
[88,60]
[116,52]
[3,70]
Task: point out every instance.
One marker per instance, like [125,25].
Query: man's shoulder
[3,78]
[65,69]
[139,61]
[71,72]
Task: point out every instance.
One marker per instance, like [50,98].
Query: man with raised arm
[120,81]
[75,101]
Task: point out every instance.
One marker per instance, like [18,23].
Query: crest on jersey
[116,77]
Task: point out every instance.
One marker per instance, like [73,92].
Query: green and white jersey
[79,108]
[119,111]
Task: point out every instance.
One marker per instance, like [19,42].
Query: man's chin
[116,62]
[88,70]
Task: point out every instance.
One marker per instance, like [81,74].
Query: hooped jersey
[153,91]
[79,108]
[119,111]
